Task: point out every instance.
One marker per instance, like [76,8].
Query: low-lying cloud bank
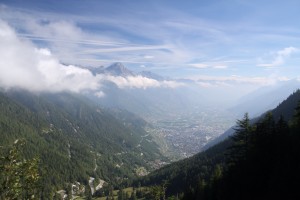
[25,66]
[140,82]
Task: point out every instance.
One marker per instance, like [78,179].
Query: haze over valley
[121,100]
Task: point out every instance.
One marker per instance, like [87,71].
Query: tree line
[262,163]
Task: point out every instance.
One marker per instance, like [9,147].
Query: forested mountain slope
[73,138]
[284,109]
[260,161]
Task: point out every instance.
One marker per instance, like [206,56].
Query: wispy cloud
[209,65]
[23,65]
[280,57]
[199,65]
[163,36]
[220,66]
[233,80]
[70,42]
[123,49]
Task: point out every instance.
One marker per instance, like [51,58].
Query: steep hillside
[284,109]
[74,138]
[245,165]
[186,173]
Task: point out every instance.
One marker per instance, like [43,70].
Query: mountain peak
[118,69]
[96,70]
[149,74]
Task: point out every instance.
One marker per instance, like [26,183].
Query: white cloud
[280,57]
[148,57]
[220,67]
[204,84]
[72,44]
[99,94]
[209,65]
[139,82]
[171,84]
[287,51]
[199,65]
[124,49]
[79,45]
[23,65]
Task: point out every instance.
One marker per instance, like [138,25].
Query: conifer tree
[241,140]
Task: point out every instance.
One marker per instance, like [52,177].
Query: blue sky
[256,41]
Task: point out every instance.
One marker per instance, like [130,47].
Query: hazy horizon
[226,48]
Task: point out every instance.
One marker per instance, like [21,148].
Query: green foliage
[241,140]
[158,192]
[88,192]
[189,174]
[73,138]
[19,177]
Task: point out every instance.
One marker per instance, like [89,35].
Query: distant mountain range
[118,69]
[265,98]
[79,136]
[285,109]
[188,95]
[149,102]
[161,103]
[152,75]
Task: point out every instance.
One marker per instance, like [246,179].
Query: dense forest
[259,161]
[73,139]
